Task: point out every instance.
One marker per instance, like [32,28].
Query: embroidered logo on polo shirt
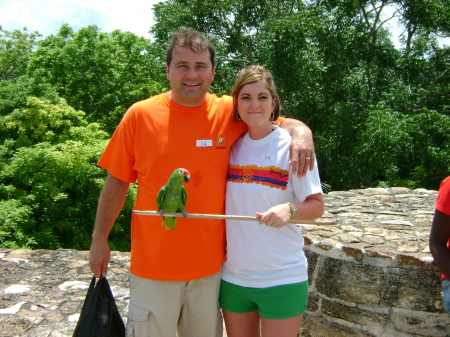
[220,143]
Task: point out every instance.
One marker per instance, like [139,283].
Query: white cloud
[47,16]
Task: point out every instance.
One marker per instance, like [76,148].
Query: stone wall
[370,275]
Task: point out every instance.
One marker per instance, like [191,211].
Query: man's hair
[253,74]
[192,39]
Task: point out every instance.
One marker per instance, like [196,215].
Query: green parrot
[172,197]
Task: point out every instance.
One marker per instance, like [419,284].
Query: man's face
[190,75]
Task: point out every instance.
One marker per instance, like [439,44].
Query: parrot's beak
[186,178]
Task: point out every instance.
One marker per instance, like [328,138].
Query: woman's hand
[276,216]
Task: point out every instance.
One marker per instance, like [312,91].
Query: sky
[47,16]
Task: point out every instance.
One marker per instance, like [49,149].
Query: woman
[264,288]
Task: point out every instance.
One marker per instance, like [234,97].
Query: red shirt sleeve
[443,197]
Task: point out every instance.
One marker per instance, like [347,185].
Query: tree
[336,69]
[48,175]
[380,115]
[14,93]
[99,73]
[424,17]
[16,48]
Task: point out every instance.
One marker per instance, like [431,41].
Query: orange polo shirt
[155,137]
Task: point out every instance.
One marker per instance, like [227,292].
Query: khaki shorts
[161,308]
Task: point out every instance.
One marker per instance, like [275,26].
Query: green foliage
[50,179]
[15,93]
[338,71]
[15,51]
[98,72]
[41,121]
[430,15]
[431,147]
[58,180]
[15,223]
[385,146]
[380,115]
[400,150]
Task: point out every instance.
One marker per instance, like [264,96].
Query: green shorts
[277,302]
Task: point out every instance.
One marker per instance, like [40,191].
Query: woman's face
[255,105]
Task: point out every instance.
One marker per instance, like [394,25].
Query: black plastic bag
[99,316]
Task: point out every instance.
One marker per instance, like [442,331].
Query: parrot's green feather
[169,222]
[172,197]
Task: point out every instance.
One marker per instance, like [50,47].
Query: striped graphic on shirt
[271,176]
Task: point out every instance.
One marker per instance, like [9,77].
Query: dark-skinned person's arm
[439,235]
[302,146]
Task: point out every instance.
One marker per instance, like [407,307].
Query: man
[175,274]
[440,238]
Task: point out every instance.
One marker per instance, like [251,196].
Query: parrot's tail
[169,222]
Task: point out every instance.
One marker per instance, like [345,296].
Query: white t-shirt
[259,256]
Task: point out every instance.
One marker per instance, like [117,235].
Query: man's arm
[302,146]
[439,235]
[110,204]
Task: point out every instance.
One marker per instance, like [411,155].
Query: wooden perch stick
[230,217]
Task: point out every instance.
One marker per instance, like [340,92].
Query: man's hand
[302,151]
[111,201]
[99,258]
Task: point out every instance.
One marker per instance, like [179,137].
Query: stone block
[349,281]
[11,326]
[420,323]
[312,262]
[318,326]
[354,252]
[418,290]
[313,302]
[354,313]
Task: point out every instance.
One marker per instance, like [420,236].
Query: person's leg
[281,309]
[286,327]
[154,307]
[239,310]
[242,324]
[200,314]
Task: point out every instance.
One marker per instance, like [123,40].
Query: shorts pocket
[139,322]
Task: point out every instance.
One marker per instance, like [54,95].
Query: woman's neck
[259,132]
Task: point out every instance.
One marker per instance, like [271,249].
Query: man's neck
[187,103]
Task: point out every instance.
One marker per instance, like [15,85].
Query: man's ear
[212,75]
[167,71]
